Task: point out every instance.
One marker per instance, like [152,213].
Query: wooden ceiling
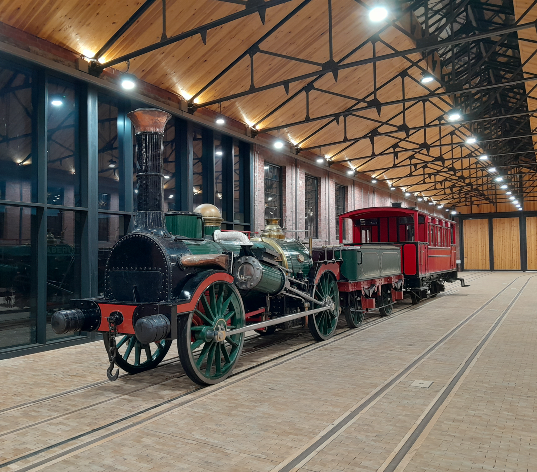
[300,45]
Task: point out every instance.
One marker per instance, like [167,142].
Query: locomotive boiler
[201,286]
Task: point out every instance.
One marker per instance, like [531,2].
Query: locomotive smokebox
[149,124]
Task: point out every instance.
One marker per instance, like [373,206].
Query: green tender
[183,223]
[368,262]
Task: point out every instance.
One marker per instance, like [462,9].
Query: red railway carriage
[428,244]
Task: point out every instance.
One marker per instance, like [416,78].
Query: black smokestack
[149,124]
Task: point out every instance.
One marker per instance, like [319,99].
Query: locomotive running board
[275,321]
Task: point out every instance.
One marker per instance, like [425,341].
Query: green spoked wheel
[206,355]
[386,304]
[323,325]
[354,315]
[133,356]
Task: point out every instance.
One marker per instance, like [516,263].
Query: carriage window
[406,229]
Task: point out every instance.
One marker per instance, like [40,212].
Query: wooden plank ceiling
[186,67]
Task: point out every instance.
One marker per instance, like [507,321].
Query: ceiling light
[420,199]
[431,203]
[57,101]
[171,196]
[440,206]
[128,81]
[112,163]
[392,188]
[278,144]
[320,160]
[453,212]
[504,186]
[220,153]
[266,167]
[426,79]
[508,193]
[220,121]
[484,157]
[520,209]
[492,169]
[454,116]
[498,179]
[407,194]
[515,202]
[471,140]
[511,197]
[374,181]
[350,171]
[378,14]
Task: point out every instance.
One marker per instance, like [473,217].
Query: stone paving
[266,417]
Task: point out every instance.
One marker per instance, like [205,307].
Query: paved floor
[449,385]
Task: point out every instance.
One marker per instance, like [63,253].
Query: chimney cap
[149,120]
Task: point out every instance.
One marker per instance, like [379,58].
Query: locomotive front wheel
[323,325]
[134,357]
[206,359]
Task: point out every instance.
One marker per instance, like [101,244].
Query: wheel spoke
[203,317]
[225,354]
[129,348]
[219,300]
[218,360]
[137,352]
[231,341]
[120,343]
[197,328]
[229,315]
[212,299]
[210,358]
[203,353]
[196,344]
[148,352]
[206,307]
[225,304]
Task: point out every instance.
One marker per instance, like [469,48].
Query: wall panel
[531,239]
[476,244]
[506,243]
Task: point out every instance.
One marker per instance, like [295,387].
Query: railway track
[253,344]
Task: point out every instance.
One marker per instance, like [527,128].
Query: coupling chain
[112,347]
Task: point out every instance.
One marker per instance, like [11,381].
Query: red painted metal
[409,259]
[368,303]
[397,295]
[250,314]
[331,267]
[126,310]
[354,286]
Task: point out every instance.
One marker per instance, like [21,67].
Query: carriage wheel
[133,356]
[354,315]
[207,360]
[386,303]
[323,325]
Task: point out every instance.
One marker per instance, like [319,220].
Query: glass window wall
[273,191]
[312,207]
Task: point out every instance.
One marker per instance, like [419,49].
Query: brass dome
[211,214]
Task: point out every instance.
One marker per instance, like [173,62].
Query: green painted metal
[367,262]
[294,250]
[272,281]
[218,308]
[203,246]
[208,231]
[185,223]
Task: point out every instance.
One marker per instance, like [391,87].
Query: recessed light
[220,121]
[498,179]
[407,194]
[520,209]
[320,160]
[431,203]
[508,193]
[504,186]
[420,199]
[278,144]
[128,81]
[392,188]
[427,79]
[374,181]
[471,140]
[454,116]
[453,212]
[350,171]
[484,157]
[511,198]
[492,169]
[378,14]
[440,206]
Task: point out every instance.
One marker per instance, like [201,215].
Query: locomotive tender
[181,277]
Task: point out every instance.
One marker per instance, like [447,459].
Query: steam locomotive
[181,277]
